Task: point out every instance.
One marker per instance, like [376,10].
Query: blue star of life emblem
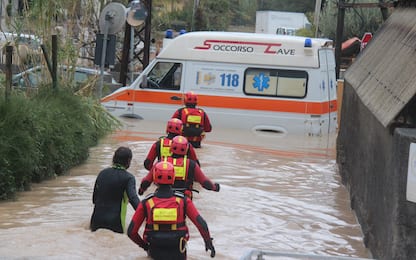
[261,82]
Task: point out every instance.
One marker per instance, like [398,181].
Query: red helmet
[191,98]
[179,145]
[174,126]
[164,173]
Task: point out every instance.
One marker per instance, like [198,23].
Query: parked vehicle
[21,38]
[276,22]
[27,48]
[35,76]
[262,82]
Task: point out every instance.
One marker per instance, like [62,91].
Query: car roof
[77,68]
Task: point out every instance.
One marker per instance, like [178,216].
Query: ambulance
[278,84]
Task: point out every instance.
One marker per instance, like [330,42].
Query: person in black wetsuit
[114,188]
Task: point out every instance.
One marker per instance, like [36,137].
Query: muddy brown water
[278,193]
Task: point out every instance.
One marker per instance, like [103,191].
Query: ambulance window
[272,82]
[165,75]
[292,83]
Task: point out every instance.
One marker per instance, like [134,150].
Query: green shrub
[47,134]
[18,138]
[7,187]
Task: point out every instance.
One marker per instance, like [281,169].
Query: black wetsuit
[113,189]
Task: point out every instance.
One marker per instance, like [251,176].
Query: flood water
[277,194]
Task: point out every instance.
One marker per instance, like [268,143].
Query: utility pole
[383,9]
[194,9]
[147,34]
[338,39]
[318,4]
[125,55]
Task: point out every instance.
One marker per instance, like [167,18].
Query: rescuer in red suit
[161,148]
[195,120]
[166,233]
[186,170]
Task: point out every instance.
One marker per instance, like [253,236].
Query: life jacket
[165,144]
[193,121]
[165,221]
[165,214]
[184,179]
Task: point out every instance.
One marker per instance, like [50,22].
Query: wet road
[277,194]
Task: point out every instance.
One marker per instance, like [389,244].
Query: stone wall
[373,163]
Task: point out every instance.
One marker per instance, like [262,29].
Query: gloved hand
[210,246]
[145,247]
[143,187]
[141,191]
[188,193]
[217,187]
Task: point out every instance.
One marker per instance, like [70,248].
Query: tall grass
[45,135]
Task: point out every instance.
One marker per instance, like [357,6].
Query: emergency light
[308,43]
[169,34]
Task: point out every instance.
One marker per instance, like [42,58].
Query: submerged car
[78,76]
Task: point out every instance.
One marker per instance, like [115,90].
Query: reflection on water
[277,194]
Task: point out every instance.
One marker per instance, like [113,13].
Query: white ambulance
[275,83]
